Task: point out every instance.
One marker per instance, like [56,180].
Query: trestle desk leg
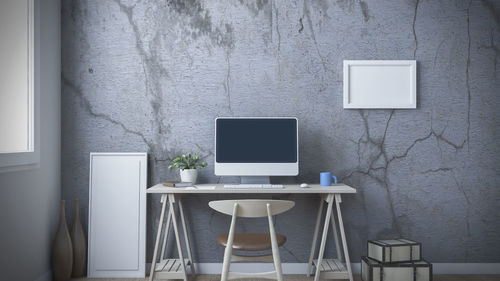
[158,236]
[165,236]
[315,236]
[338,200]
[186,237]
[336,237]
[171,198]
[329,201]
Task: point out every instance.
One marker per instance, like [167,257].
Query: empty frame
[380,84]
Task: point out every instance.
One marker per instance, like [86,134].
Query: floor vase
[62,252]
[79,244]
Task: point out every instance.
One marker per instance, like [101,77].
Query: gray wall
[29,199]
[152,76]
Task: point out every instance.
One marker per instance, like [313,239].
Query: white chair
[253,241]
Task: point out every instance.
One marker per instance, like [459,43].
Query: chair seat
[251,241]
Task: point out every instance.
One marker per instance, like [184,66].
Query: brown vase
[79,244]
[62,252]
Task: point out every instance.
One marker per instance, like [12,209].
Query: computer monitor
[256,147]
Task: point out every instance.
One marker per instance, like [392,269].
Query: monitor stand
[255,180]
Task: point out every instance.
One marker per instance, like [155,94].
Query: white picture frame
[117,215]
[380,84]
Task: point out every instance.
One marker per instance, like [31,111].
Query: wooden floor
[303,278]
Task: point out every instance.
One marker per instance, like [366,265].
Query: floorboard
[303,278]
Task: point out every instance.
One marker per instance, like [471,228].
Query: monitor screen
[256,140]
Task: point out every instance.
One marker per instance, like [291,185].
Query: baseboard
[47,276]
[301,268]
[466,268]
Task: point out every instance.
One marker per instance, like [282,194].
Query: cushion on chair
[251,241]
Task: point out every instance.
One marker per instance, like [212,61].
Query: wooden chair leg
[274,246]
[229,246]
[226,263]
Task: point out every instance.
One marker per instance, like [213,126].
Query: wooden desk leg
[171,198]
[338,200]
[165,236]
[315,236]
[336,237]
[329,200]
[186,238]
[158,236]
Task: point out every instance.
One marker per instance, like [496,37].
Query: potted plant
[188,166]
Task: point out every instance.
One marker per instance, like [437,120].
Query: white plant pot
[189,175]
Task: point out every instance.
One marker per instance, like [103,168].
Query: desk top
[288,188]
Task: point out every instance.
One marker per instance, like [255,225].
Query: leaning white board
[117,215]
[380,84]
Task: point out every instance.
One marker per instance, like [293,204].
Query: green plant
[187,162]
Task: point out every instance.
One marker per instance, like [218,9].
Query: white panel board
[117,214]
[380,84]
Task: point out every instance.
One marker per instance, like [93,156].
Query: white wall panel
[117,214]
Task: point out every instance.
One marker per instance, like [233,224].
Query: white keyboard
[256,186]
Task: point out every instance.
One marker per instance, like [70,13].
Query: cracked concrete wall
[152,76]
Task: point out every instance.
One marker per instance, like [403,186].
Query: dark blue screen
[256,140]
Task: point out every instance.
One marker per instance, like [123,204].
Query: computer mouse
[304,185]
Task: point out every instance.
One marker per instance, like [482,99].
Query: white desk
[327,268]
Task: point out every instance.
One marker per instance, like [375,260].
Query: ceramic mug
[325,179]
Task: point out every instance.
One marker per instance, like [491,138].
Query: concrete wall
[152,76]
[29,199]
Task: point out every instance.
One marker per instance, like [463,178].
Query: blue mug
[326,179]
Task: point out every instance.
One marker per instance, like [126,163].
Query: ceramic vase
[62,252]
[189,175]
[79,244]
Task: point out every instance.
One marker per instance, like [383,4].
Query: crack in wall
[307,14]
[442,169]
[492,47]
[364,10]
[467,74]
[88,108]
[380,162]
[254,6]
[227,82]
[367,139]
[153,72]
[276,14]
[413,28]
[466,197]
[278,53]
[375,153]
[460,188]
[432,133]
[200,23]
[348,5]
[437,51]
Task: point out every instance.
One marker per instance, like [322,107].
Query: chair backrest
[251,208]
